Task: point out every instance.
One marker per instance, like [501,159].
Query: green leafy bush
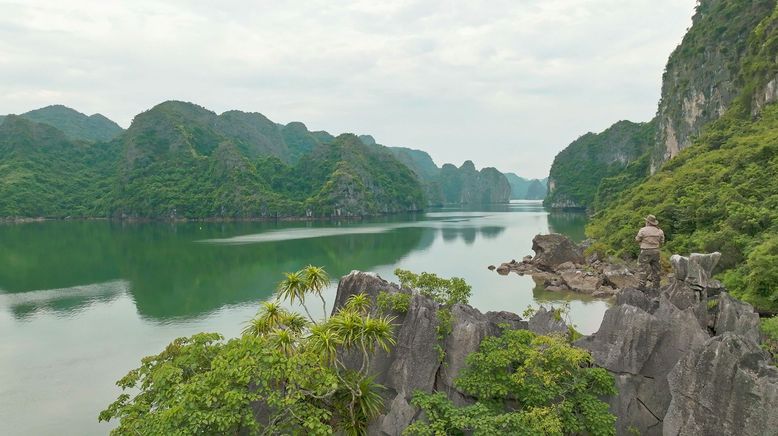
[393,302]
[525,384]
[284,375]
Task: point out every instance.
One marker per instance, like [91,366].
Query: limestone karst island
[410,218]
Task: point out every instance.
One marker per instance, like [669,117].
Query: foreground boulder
[414,363]
[672,377]
[640,349]
[725,387]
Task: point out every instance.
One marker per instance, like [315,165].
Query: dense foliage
[579,169]
[525,385]
[769,328]
[283,376]
[720,194]
[43,173]
[75,125]
[714,196]
[179,160]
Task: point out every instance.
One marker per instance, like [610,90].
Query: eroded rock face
[547,322]
[640,349]
[725,387]
[737,317]
[553,250]
[414,362]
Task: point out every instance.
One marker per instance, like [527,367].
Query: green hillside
[74,124]
[45,174]
[181,160]
[578,169]
[720,193]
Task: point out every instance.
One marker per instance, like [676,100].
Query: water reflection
[568,223]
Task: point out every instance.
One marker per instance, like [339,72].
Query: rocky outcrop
[725,387]
[559,265]
[640,348]
[737,317]
[553,250]
[678,370]
[702,75]
[414,363]
[673,378]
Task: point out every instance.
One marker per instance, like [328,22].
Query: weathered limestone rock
[725,387]
[554,249]
[580,281]
[620,277]
[696,270]
[469,328]
[641,348]
[357,282]
[414,362]
[547,322]
[737,317]
[636,298]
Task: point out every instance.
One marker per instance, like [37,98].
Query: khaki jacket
[650,237]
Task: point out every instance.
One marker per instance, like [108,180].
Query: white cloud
[505,83]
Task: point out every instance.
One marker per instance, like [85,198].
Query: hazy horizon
[507,86]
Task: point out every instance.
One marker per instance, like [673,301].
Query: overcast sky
[503,83]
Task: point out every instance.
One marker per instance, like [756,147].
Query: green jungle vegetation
[578,170]
[287,374]
[44,173]
[181,161]
[74,124]
[718,194]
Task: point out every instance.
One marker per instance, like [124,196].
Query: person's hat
[652,220]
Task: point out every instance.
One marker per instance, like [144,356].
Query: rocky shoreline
[686,361]
[560,265]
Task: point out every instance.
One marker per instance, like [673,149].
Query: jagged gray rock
[634,297]
[737,317]
[469,328]
[725,387]
[547,322]
[414,362]
[619,276]
[553,250]
[640,349]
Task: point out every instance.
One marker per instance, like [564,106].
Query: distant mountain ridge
[74,124]
[527,189]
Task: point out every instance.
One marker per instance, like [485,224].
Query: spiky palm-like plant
[269,316]
[359,303]
[294,287]
[316,279]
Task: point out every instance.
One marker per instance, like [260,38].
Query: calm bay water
[82,302]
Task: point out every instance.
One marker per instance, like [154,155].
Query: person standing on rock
[650,238]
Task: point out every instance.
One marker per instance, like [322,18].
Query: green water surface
[82,302]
